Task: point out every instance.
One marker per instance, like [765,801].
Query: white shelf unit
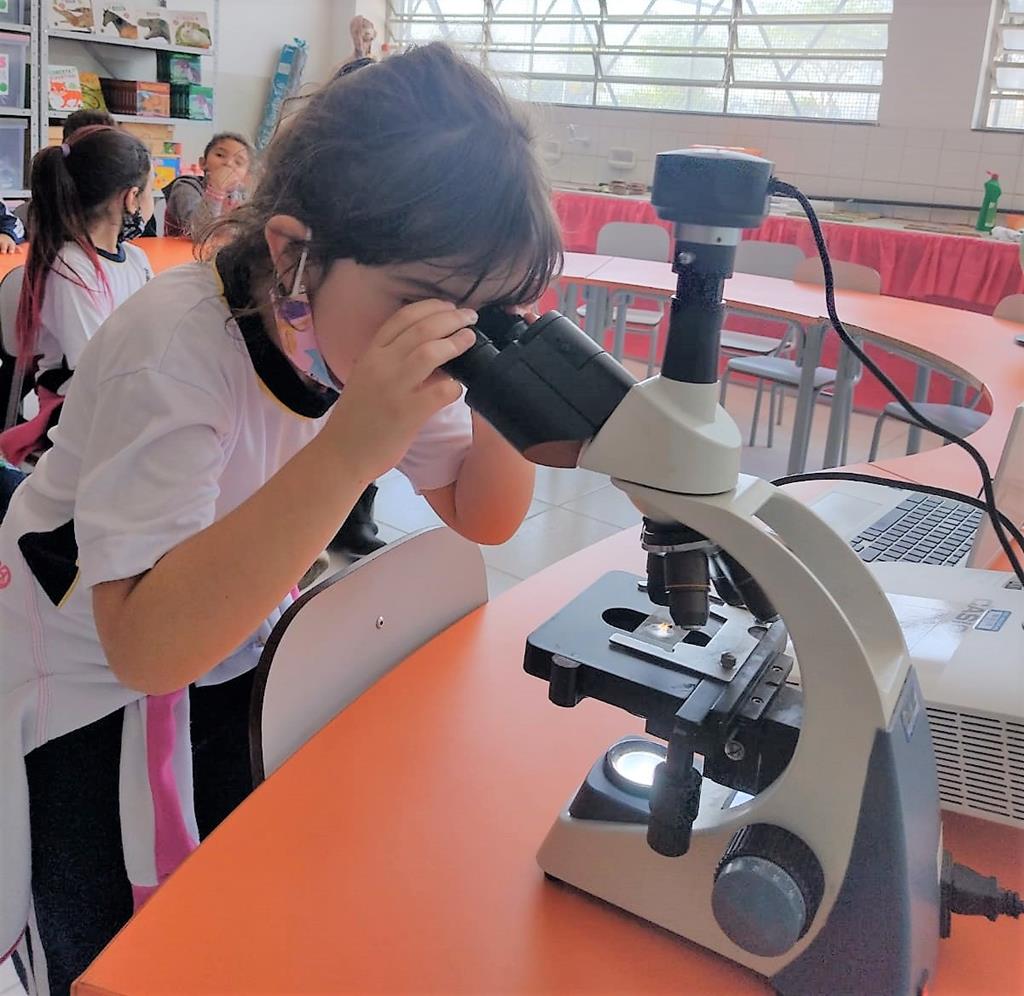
[136,118]
[90,38]
[30,112]
[116,58]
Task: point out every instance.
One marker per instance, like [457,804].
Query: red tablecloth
[952,270]
[955,271]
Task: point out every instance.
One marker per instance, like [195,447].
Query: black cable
[899,485]
[788,190]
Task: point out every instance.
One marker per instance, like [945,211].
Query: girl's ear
[285,235]
[131,199]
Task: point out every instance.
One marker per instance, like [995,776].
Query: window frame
[732,18]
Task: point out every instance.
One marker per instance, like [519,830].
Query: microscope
[792,830]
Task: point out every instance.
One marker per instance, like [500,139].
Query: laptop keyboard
[921,529]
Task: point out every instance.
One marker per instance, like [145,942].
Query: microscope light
[631,762]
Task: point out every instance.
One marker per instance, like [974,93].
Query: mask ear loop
[297,286]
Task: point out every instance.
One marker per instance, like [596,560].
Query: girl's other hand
[8,245]
[225,179]
[396,385]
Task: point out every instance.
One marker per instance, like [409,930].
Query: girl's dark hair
[87,116]
[418,158]
[71,185]
[229,136]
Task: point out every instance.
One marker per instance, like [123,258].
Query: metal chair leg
[725,383]
[772,401]
[757,412]
[652,353]
[876,437]
[782,401]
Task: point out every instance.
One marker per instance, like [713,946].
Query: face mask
[294,317]
[132,226]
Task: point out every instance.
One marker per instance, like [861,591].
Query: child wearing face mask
[90,195]
[218,429]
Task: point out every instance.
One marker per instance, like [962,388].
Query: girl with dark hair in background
[218,429]
[90,195]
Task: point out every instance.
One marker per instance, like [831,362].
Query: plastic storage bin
[12,154]
[12,12]
[13,54]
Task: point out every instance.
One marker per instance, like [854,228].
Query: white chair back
[634,241]
[848,276]
[768,259]
[1011,308]
[10,292]
[159,214]
[348,631]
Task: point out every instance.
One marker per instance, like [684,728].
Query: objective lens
[753,595]
[656,579]
[688,587]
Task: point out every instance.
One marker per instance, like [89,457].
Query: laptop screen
[1009,489]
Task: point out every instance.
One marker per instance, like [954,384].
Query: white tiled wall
[923,149]
[927,166]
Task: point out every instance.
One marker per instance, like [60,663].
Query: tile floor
[574,508]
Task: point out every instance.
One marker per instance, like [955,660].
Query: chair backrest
[21,212]
[345,633]
[10,291]
[634,241]
[767,259]
[159,214]
[1011,308]
[848,276]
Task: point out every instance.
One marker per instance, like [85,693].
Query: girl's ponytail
[55,217]
[70,183]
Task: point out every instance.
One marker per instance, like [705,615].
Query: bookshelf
[119,58]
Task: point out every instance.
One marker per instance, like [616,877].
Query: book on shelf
[192,102]
[65,89]
[154,24]
[92,92]
[70,15]
[116,20]
[179,67]
[190,29]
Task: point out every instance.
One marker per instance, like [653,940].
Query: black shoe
[358,534]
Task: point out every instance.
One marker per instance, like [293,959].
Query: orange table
[163,253]
[395,852]
[166,252]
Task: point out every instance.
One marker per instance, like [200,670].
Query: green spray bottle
[987,214]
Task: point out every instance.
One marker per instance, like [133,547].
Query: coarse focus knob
[768,887]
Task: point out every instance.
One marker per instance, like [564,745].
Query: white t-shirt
[175,415]
[71,313]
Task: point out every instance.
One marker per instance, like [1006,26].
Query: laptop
[892,525]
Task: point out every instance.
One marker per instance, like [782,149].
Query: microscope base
[877,930]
